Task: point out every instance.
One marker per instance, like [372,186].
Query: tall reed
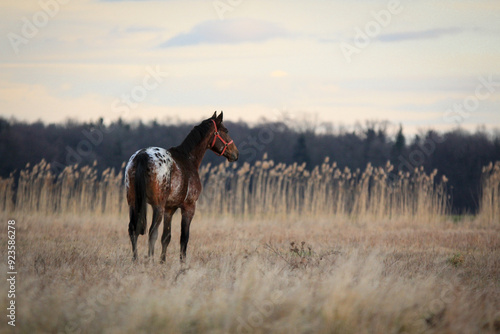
[273,190]
[75,190]
[261,190]
[490,193]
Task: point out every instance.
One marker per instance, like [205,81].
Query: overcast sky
[420,63]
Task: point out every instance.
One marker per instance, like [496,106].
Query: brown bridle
[217,135]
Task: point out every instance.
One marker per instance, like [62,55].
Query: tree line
[458,154]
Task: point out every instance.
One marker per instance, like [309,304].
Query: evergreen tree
[300,153]
[398,149]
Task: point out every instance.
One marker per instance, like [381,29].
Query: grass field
[75,275]
[387,259]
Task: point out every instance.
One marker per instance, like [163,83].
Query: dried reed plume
[74,190]
[264,189]
[490,196]
[274,190]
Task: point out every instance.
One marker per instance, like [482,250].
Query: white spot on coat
[160,162]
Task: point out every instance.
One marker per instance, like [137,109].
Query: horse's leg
[166,236]
[187,216]
[153,230]
[133,233]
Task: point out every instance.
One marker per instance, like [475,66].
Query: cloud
[278,74]
[141,29]
[423,34]
[227,32]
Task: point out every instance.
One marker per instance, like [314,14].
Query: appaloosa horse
[169,180]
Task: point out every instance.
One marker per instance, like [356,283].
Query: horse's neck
[195,147]
[197,154]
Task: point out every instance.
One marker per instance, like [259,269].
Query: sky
[423,64]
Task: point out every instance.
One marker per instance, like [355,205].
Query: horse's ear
[219,118]
[214,115]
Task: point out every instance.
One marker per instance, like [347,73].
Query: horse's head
[220,142]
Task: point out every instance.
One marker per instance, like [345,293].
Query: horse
[169,180]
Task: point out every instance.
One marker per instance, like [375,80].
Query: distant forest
[457,154]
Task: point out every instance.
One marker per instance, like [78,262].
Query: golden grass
[75,275]
[272,249]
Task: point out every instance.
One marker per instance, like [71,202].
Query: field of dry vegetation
[282,250]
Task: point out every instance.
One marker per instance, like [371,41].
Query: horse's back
[159,169]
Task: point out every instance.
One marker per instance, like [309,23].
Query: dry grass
[284,250]
[75,275]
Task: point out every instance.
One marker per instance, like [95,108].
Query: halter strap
[217,135]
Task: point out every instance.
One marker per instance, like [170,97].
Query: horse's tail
[141,174]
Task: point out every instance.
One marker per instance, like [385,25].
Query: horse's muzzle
[234,157]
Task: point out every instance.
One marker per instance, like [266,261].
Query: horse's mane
[194,137]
